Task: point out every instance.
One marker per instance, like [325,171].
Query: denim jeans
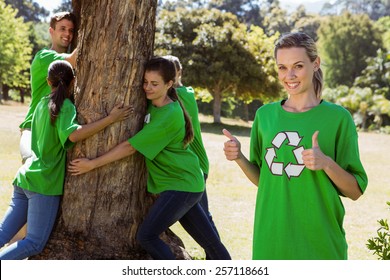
[40,211]
[173,206]
[204,203]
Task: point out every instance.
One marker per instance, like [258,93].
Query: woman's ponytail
[60,77]
[189,136]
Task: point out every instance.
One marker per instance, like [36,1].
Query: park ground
[231,195]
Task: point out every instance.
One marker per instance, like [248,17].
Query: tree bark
[22,94]
[101,210]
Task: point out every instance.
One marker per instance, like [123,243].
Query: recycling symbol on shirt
[291,169]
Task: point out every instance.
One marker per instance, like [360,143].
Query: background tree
[275,18]
[15,49]
[308,24]
[29,10]
[346,41]
[375,9]
[172,5]
[216,54]
[66,5]
[247,11]
[383,24]
[101,210]
[377,74]
[33,15]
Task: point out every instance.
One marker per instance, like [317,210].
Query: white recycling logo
[291,169]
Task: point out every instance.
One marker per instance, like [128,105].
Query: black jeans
[173,206]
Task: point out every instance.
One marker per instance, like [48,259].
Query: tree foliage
[247,11]
[377,74]
[218,53]
[15,51]
[383,24]
[375,9]
[275,19]
[345,43]
[309,25]
[65,6]
[28,10]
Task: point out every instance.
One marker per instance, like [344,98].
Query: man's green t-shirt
[186,95]
[171,166]
[44,172]
[299,214]
[39,85]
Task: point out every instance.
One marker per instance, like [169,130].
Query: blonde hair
[302,40]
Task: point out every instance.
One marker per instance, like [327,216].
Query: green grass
[11,117]
[231,195]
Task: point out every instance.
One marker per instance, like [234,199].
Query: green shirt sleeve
[150,140]
[347,155]
[158,131]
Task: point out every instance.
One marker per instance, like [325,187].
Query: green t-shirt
[39,85]
[299,213]
[186,95]
[171,166]
[44,172]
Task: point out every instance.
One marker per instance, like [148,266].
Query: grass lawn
[231,195]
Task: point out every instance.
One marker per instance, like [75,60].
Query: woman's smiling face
[295,70]
[155,88]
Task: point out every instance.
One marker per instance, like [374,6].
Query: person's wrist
[111,119]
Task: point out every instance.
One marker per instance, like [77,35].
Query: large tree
[15,49]
[218,54]
[29,10]
[375,9]
[345,43]
[101,210]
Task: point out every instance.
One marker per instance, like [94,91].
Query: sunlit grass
[11,117]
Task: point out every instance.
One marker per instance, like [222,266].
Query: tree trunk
[22,93]
[217,107]
[101,210]
[5,92]
[246,111]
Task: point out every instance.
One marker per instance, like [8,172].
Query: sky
[49,4]
[52,4]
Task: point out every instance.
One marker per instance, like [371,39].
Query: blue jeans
[204,203]
[173,206]
[40,211]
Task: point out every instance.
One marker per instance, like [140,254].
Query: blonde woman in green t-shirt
[304,155]
[38,184]
[173,169]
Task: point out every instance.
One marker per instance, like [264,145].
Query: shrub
[381,244]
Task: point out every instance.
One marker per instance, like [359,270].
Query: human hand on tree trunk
[80,166]
[120,112]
